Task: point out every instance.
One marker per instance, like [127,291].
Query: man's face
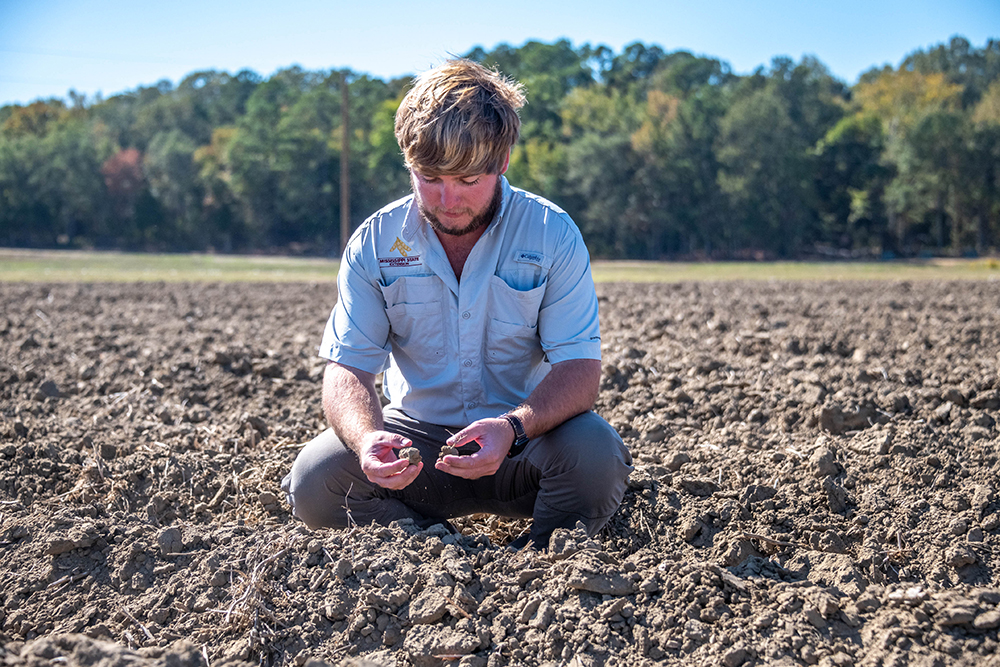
[457,205]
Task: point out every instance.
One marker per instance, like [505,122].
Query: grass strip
[74,266]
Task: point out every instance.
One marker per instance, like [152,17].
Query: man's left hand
[494,437]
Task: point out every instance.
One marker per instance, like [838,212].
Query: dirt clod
[411,453]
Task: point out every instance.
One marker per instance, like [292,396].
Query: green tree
[851,182]
[386,175]
[678,166]
[911,108]
[549,72]
[67,180]
[985,169]
[631,71]
[766,153]
[765,172]
[601,167]
[219,205]
[969,68]
[24,218]
[173,182]
[252,153]
[36,119]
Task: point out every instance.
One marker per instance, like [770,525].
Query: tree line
[655,154]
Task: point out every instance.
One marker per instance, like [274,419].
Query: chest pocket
[512,343]
[415,308]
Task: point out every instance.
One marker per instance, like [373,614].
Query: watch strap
[520,438]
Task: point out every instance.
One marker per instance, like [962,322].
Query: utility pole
[345,154]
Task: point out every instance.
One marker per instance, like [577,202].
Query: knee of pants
[585,467]
[320,480]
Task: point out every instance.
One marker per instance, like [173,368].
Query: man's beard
[478,222]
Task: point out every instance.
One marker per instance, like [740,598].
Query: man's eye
[472,182]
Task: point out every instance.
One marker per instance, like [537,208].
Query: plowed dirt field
[816,482]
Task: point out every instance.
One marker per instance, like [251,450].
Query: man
[477,302]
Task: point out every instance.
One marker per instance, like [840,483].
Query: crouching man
[477,302]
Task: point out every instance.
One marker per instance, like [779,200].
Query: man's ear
[506,163]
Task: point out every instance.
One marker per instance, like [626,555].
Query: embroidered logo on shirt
[530,257]
[401,247]
[400,262]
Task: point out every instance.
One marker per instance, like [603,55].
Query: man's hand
[380,463]
[494,436]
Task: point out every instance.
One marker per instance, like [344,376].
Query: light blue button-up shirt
[457,351]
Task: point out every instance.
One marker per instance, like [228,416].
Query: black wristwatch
[520,439]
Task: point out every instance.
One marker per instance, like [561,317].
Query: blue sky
[48,47]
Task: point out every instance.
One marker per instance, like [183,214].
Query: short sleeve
[357,332]
[568,322]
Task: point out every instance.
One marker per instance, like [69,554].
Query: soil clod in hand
[411,453]
[447,450]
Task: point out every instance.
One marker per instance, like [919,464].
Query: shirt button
[471,406]
[468,363]
[466,315]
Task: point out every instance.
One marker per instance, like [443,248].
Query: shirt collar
[412,223]
[504,203]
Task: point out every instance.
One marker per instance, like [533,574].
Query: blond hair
[459,118]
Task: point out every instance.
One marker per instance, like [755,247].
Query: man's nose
[449,195]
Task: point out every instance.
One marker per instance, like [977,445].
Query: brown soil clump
[815,484]
[411,453]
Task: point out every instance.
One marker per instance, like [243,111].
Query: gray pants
[575,472]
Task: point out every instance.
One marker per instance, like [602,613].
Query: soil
[816,483]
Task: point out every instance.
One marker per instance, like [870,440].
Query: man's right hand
[380,463]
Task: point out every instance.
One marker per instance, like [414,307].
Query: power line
[34,82]
[90,56]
